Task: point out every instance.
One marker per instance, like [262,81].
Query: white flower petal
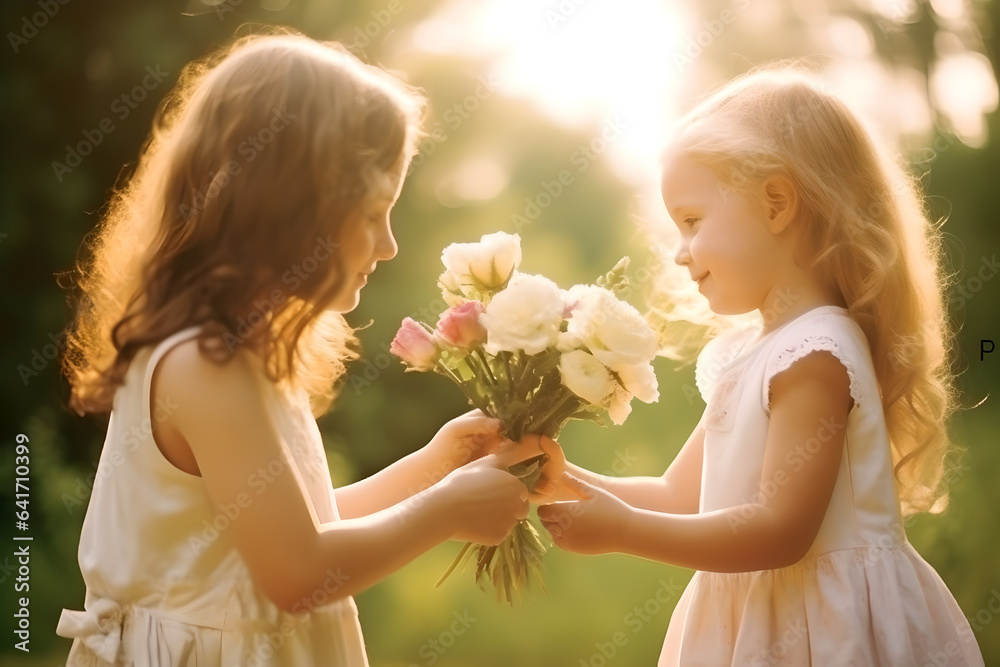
[620,406]
[526,315]
[612,330]
[586,377]
[640,380]
[481,266]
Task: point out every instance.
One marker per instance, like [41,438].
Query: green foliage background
[64,79]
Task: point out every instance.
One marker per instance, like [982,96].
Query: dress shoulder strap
[161,349]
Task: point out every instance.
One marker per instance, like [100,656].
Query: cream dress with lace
[165,584]
[861,596]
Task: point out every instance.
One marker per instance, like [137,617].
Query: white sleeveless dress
[862,596]
[165,584]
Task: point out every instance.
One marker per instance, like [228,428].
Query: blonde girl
[210,326]
[825,421]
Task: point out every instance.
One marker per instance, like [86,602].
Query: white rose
[640,380]
[612,330]
[586,377]
[482,266]
[526,315]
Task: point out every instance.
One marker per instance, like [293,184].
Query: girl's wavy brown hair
[867,230]
[257,161]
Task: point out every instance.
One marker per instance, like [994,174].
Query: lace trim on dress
[813,343]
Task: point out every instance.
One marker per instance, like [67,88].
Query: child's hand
[464,439]
[549,487]
[483,501]
[585,526]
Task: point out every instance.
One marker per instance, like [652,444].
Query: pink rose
[415,346]
[459,325]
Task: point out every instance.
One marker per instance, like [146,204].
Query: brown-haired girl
[210,326]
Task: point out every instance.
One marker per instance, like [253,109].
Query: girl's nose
[683,255]
[387,247]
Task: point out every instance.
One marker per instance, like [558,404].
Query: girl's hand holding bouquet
[464,439]
[532,356]
[483,501]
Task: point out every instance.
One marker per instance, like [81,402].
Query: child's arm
[289,553]
[774,532]
[677,491]
[461,440]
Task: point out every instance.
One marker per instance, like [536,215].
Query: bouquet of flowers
[534,356]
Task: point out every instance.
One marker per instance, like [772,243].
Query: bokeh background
[521,91]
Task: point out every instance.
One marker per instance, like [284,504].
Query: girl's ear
[781,202]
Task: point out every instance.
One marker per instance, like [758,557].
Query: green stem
[541,424]
[515,382]
[510,379]
[526,374]
[558,420]
[486,364]
[454,564]
[475,370]
[473,396]
[444,370]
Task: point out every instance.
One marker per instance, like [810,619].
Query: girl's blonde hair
[257,161]
[866,230]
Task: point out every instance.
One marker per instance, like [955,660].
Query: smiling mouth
[698,280]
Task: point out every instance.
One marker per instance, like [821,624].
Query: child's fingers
[479,433]
[489,461]
[543,486]
[565,487]
[544,491]
[561,502]
[551,448]
[541,442]
[555,515]
[532,444]
[511,452]
[563,507]
[555,462]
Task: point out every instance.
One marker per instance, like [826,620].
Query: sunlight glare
[474,179]
[581,63]
[849,37]
[963,85]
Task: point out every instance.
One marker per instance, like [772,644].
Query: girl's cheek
[698,245]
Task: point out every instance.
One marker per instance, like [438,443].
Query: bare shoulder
[187,371]
[207,391]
